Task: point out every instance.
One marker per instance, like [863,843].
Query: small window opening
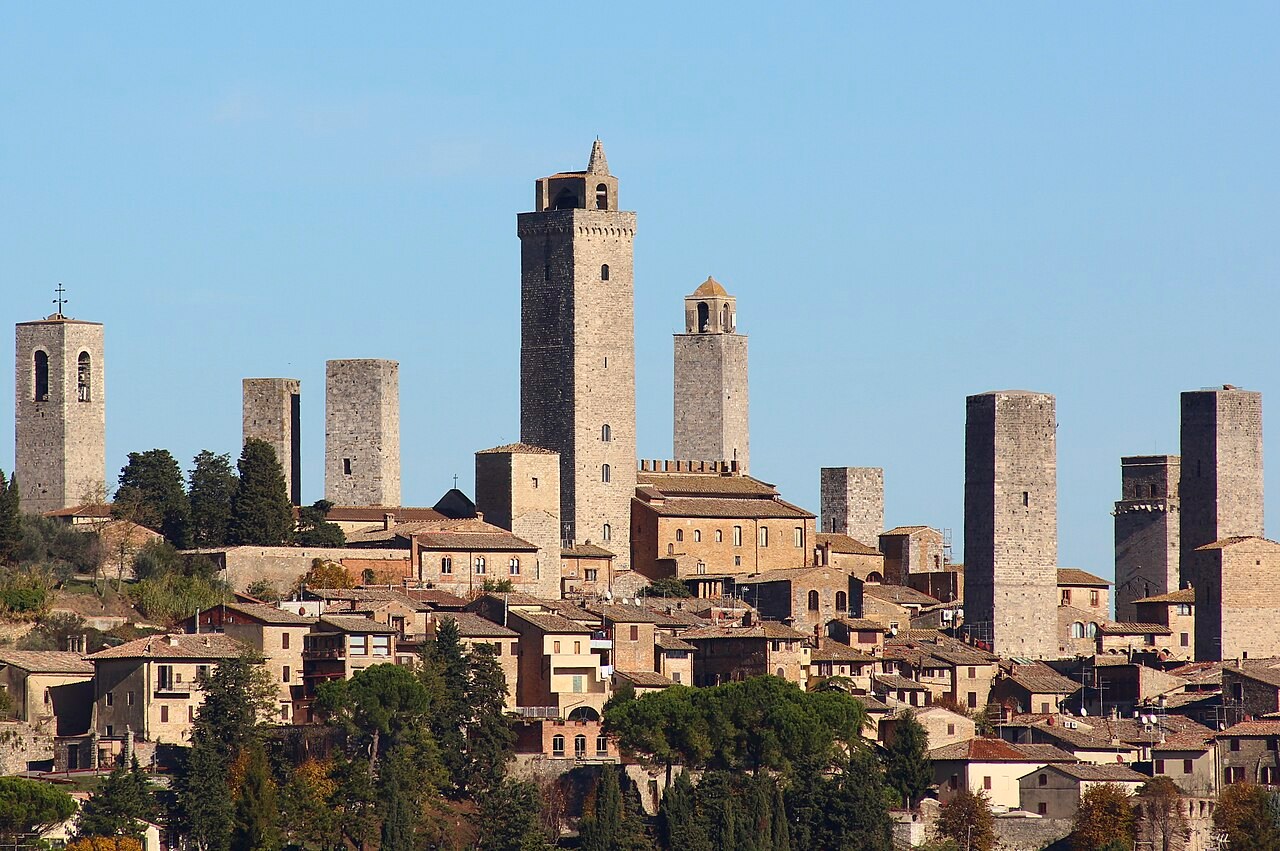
[604,272]
[566,200]
[813,601]
[346,466]
[606,433]
[602,197]
[704,316]
[42,377]
[83,372]
[1026,499]
[606,472]
[606,532]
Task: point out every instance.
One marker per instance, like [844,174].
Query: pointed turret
[597,164]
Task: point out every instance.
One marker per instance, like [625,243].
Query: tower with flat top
[60,413]
[272,413]
[711,379]
[362,432]
[577,348]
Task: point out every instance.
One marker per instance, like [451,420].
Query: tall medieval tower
[362,432]
[1011,522]
[711,379]
[60,406]
[577,348]
[1147,518]
[272,412]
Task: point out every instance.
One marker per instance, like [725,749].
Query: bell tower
[577,348]
[711,416]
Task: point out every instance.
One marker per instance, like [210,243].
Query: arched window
[446,565]
[606,433]
[42,376]
[565,200]
[704,314]
[764,536]
[697,536]
[606,532]
[557,745]
[679,534]
[605,472]
[1077,630]
[842,601]
[813,601]
[782,674]
[84,373]
[579,746]
[604,272]
[701,568]
[479,564]
[724,319]
[514,567]
[874,576]
[671,549]
[602,197]
[719,536]
[1091,631]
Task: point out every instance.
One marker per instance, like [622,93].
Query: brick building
[861,560]
[1147,518]
[731,653]
[1011,522]
[272,412]
[577,347]
[711,406]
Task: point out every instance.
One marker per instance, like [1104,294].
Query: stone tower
[852,502]
[518,488]
[711,380]
[1147,518]
[362,432]
[272,411]
[577,348]
[60,414]
[1011,522]
[1221,492]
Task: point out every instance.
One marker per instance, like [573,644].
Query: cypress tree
[490,739]
[397,827]
[679,827]
[10,520]
[260,511]
[907,768]
[448,657]
[256,822]
[213,486]
[780,838]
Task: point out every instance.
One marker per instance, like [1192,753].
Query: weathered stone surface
[518,488]
[853,502]
[362,432]
[272,408]
[1146,530]
[711,421]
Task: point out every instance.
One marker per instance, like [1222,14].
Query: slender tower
[577,348]
[272,412]
[362,432]
[711,380]
[60,413]
[1147,519]
[1011,522]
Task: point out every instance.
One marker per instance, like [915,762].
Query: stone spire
[597,164]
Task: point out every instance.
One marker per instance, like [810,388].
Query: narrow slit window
[604,272]
[42,376]
[84,373]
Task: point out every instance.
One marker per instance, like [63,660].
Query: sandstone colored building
[1011,522]
[912,550]
[362,432]
[852,501]
[1147,517]
[577,348]
[711,405]
[1220,488]
[60,413]
[272,412]
[518,489]
[1238,599]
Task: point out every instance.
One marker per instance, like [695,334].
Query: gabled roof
[1105,773]
[473,626]
[749,509]
[619,613]
[998,750]
[495,540]
[907,530]
[670,642]
[45,661]
[790,574]
[517,449]
[1076,576]
[834,651]
[863,625]
[762,629]
[268,615]
[550,623]
[844,544]
[1182,595]
[174,646]
[1134,629]
[1263,670]
[1258,727]
[375,514]
[672,484]
[644,679]
[897,683]
[586,549]
[901,594]
[1041,679]
[352,624]
[1227,543]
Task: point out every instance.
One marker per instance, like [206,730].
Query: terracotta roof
[997,750]
[1076,576]
[353,623]
[1263,670]
[1041,679]
[1105,773]
[1260,727]
[365,595]
[473,626]
[46,661]
[730,508]
[174,646]
[435,597]
[670,642]
[900,594]
[586,549]
[711,287]
[790,574]
[518,449]
[906,530]
[498,540]
[1134,629]
[834,651]
[357,513]
[705,484]
[1182,595]
[619,613]
[863,625]
[762,629]
[270,615]
[844,544]
[1224,543]
[897,683]
[1198,673]
[644,679]
[548,622]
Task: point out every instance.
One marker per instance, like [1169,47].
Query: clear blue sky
[912,203]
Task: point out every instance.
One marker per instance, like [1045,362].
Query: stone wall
[271,412]
[1247,604]
[1011,522]
[853,502]
[281,566]
[711,398]
[61,437]
[362,432]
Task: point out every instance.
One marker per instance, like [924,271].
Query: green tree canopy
[29,806]
[1247,814]
[608,825]
[679,825]
[966,819]
[260,511]
[1104,817]
[509,819]
[120,805]
[151,494]
[907,768]
[314,530]
[256,821]
[212,487]
[10,520]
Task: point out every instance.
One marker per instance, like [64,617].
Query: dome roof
[711,287]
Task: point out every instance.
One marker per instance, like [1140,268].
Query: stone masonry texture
[362,432]
[60,414]
[577,351]
[1146,530]
[1011,522]
[1221,494]
[711,416]
[852,502]
[518,488]
[271,413]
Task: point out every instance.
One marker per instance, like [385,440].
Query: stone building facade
[362,432]
[1238,599]
[60,413]
[1147,519]
[912,550]
[272,413]
[1220,488]
[711,417]
[852,502]
[518,489]
[1011,522]
[577,348]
